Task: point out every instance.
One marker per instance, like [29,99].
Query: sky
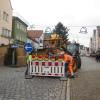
[74,14]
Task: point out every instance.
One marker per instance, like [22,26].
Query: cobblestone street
[13,86]
[87,85]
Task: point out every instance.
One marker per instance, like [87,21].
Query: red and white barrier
[47,68]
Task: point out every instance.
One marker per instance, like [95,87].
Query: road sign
[14,46]
[28,47]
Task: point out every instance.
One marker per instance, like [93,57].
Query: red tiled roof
[34,33]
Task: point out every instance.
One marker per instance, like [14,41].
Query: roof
[17,15]
[35,33]
[18,19]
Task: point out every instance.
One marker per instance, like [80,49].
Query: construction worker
[68,63]
[28,60]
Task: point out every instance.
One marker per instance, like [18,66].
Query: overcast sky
[70,12]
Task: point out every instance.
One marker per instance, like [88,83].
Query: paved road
[13,86]
[87,85]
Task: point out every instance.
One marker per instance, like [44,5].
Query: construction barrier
[47,68]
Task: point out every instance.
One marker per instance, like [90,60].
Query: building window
[6,32]
[17,37]
[5,16]
[24,29]
[18,25]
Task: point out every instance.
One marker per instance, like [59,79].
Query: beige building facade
[5,21]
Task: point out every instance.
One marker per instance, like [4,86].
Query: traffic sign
[14,46]
[28,47]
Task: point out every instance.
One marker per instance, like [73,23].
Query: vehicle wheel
[75,66]
[78,62]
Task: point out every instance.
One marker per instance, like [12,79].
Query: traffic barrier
[47,68]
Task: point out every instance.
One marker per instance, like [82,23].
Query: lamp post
[48,30]
[83,30]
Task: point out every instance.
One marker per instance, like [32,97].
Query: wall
[21,61]
[3,51]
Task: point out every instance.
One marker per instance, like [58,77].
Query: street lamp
[83,30]
[48,30]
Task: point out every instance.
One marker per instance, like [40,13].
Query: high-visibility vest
[68,58]
[29,58]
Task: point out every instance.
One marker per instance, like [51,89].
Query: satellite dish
[83,30]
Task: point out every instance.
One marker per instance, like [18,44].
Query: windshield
[72,48]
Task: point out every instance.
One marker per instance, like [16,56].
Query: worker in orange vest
[68,63]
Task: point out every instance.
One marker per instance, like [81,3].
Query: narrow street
[13,85]
[87,85]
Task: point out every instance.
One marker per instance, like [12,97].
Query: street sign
[14,46]
[28,47]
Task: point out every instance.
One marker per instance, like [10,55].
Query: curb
[68,90]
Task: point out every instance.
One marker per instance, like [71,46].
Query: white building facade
[98,38]
[95,40]
[36,37]
[39,42]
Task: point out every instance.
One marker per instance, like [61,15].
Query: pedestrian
[97,56]
[68,63]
